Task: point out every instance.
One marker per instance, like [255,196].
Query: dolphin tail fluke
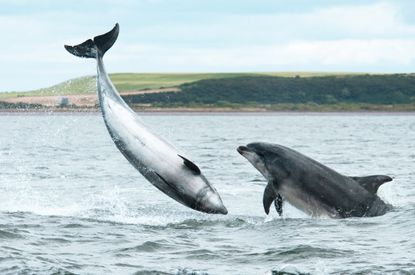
[97,47]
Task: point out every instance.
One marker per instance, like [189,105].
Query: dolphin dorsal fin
[270,195]
[193,167]
[372,183]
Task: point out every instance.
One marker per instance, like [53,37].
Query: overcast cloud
[204,36]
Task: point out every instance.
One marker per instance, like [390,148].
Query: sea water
[70,202]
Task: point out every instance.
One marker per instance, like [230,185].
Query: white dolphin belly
[152,151]
[305,202]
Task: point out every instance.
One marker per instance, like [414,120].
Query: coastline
[207,111]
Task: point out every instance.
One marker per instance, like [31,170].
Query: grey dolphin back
[97,47]
[372,183]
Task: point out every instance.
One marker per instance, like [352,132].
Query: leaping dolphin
[157,160]
[312,187]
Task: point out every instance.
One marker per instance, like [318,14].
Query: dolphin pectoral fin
[372,183]
[163,185]
[189,164]
[278,204]
[269,196]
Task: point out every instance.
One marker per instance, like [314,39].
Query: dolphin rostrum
[312,187]
[157,160]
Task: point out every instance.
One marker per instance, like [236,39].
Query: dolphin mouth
[210,202]
[217,210]
[242,150]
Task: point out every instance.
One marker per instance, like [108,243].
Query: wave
[177,272]
[9,235]
[148,246]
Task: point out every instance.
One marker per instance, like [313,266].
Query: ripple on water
[149,246]
[11,270]
[74,225]
[56,240]
[9,235]
[287,270]
[201,254]
[187,271]
[307,251]
[196,224]
[151,272]
[289,254]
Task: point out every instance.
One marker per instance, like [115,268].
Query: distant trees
[370,89]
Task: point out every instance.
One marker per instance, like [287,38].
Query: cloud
[157,36]
[374,21]
[344,55]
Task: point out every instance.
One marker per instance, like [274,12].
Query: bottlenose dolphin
[312,187]
[157,160]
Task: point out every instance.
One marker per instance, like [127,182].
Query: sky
[204,36]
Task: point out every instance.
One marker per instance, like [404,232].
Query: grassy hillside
[238,91]
[263,90]
[141,81]
[135,81]
[80,85]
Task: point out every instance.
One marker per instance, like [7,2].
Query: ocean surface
[71,204]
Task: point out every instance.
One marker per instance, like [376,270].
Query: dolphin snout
[242,149]
[215,206]
[211,202]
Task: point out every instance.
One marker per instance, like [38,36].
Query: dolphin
[156,159]
[312,187]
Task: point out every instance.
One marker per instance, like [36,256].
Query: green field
[80,85]
[142,81]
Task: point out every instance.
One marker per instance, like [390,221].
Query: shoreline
[207,111]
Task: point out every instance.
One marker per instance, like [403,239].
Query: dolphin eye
[261,155]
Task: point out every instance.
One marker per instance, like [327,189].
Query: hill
[140,81]
[269,90]
[239,91]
